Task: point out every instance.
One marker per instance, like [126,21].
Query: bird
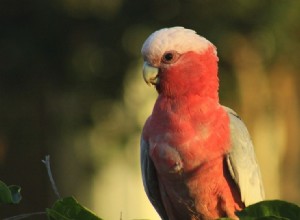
[197,157]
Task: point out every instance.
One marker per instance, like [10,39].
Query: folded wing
[242,162]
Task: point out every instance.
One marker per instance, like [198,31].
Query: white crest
[175,38]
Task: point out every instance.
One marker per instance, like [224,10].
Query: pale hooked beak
[150,74]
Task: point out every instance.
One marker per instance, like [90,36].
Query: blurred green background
[71,86]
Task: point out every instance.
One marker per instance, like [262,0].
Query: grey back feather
[242,162]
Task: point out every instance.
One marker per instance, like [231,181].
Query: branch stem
[18,217]
[47,164]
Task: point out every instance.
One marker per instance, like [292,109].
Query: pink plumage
[194,166]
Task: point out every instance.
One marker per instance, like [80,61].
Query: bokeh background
[71,86]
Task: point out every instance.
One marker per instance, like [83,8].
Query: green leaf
[69,209]
[9,194]
[272,209]
[52,214]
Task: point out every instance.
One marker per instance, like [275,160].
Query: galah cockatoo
[197,157]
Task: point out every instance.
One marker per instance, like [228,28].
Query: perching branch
[18,217]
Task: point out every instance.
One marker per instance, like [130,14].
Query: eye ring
[170,57]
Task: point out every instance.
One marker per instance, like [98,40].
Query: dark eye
[170,57]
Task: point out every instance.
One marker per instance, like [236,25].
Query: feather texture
[242,161]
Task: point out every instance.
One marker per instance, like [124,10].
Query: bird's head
[180,62]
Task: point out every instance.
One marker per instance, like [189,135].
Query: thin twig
[18,217]
[22,216]
[47,164]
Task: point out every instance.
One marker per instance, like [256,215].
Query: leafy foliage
[9,194]
[270,210]
[274,209]
[67,209]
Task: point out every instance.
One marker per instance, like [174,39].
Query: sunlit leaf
[273,209]
[54,215]
[269,210]
[9,194]
[69,209]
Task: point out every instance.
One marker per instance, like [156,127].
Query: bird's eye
[170,57]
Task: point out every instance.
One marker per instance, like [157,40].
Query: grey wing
[150,180]
[242,162]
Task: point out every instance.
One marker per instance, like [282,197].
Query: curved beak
[150,74]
